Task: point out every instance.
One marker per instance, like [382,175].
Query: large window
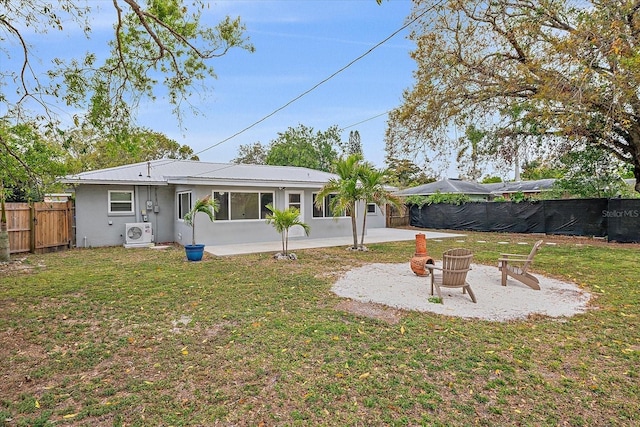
[325,211]
[121,202]
[242,205]
[184,204]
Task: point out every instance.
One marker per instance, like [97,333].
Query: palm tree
[373,191]
[283,220]
[206,205]
[346,189]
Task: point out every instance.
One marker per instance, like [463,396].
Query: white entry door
[294,199]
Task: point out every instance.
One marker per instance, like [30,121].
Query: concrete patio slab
[374,235]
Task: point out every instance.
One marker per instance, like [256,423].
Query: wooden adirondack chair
[516,266]
[455,265]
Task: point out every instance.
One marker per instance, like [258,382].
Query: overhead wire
[314,87]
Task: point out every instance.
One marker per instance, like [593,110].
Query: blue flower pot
[194,252]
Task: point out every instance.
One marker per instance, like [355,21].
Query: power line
[365,120]
[277,110]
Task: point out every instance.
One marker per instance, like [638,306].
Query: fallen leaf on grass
[365,375]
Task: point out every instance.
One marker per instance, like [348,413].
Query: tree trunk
[285,238]
[354,228]
[5,254]
[364,225]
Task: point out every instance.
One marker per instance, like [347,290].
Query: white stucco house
[159,193]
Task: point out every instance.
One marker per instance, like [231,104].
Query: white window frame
[375,209]
[262,215]
[296,231]
[111,202]
[179,204]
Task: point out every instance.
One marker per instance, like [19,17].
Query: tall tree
[354,146]
[160,48]
[252,154]
[302,146]
[87,149]
[29,161]
[470,153]
[541,169]
[551,72]
[404,173]
[590,172]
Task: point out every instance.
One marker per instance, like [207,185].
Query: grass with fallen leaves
[138,337]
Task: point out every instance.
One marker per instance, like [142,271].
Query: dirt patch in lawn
[371,310]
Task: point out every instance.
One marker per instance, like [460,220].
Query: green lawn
[141,337]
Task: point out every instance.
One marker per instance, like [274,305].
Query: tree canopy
[252,154]
[159,48]
[404,173]
[28,161]
[89,151]
[541,73]
[304,147]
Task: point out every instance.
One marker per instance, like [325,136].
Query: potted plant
[208,206]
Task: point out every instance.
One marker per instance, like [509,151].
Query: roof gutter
[111,182]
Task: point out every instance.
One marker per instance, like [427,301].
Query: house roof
[167,171]
[446,186]
[533,186]
[473,188]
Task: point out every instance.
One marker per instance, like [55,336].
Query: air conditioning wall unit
[138,235]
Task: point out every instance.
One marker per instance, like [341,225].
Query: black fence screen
[618,219]
[623,218]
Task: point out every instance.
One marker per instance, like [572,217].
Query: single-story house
[475,191]
[158,194]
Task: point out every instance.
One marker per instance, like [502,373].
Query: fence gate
[40,227]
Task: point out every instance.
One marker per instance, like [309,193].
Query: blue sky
[298,44]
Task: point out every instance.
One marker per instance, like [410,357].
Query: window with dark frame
[184,204]
[325,211]
[239,205]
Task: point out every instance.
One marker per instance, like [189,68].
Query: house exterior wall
[95,226]
[257,230]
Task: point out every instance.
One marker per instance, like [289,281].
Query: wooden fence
[397,217]
[40,227]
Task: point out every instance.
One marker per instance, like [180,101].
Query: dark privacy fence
[617,219]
